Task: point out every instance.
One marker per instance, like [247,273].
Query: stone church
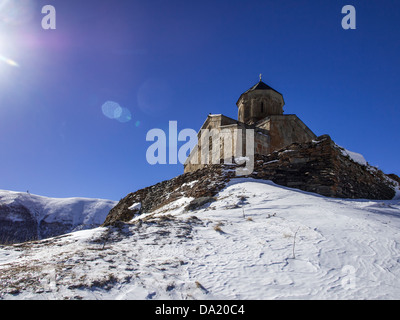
[283,150]
[259,108]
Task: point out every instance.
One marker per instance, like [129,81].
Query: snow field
[256,241]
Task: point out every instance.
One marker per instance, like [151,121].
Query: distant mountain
[24,216]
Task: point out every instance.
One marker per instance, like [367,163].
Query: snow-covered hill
[256,241]
[24,216]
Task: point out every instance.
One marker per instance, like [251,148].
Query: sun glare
[13,13]
[5,51]
[8,61]
[16,12]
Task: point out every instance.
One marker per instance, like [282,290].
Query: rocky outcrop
[318,166]
[205,182]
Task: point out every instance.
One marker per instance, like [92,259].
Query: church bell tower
[259,102]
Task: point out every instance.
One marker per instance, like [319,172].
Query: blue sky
[179,61]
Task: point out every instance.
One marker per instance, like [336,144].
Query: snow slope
[256,241]
[50,216]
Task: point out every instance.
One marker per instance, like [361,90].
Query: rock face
[17,224]
[201,183]
[25,217]
[318,166]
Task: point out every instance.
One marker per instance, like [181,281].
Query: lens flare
[111,109]
[8,61]
[125,115]
[114,111]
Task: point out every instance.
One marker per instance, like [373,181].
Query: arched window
[262,107]
[246,113]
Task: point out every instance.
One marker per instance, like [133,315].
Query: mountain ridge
[25,216]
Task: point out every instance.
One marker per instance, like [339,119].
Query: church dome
[259,102]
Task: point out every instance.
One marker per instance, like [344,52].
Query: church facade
[260,118]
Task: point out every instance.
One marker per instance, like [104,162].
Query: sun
[13,14]
[7,48]
[3,3]
[4,52]
[16,12]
